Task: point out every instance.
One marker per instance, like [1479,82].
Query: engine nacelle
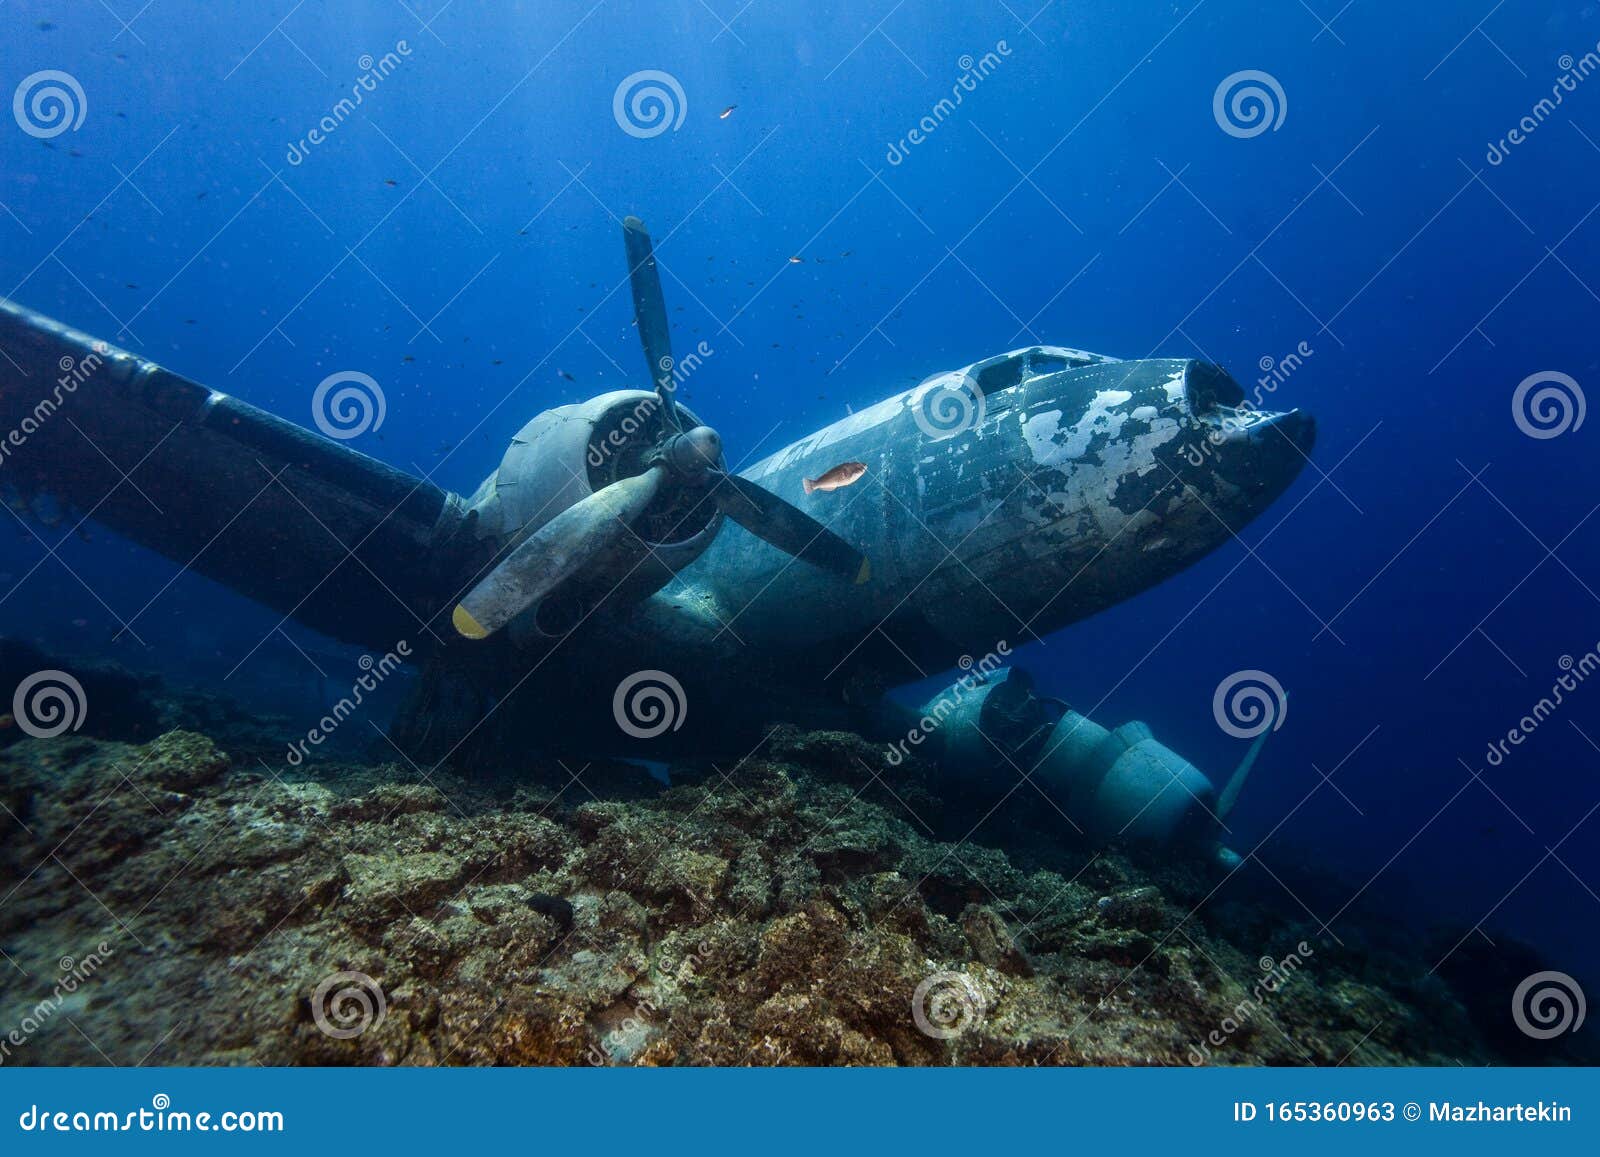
[1115,783]
[568,453]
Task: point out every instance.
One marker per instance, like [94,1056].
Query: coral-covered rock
[793,913]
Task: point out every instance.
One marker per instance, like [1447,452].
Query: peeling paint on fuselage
[1050,445]
[1070,495]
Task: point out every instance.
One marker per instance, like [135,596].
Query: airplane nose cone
[1300,428]
[1276,434]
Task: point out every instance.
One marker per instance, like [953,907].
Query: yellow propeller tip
[464,623]
[865,572]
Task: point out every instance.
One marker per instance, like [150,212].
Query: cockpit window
[1014,368]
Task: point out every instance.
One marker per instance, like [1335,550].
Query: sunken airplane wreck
[1001,502]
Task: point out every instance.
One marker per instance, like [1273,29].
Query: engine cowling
[561,457]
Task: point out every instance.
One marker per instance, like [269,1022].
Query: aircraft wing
[305,524]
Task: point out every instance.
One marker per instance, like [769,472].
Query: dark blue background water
[457,240]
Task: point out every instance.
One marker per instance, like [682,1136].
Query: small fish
[566,375]
[727,112]
[391,184]
[797,260]
[554,908]
[839,477]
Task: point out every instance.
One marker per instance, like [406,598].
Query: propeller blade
[788,528]
[650,313]
[554,553]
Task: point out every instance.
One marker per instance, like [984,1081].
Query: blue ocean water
[1399,229]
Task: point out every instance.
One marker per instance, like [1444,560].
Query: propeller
[650,314]
[554,553]
[688,459]
[786,527]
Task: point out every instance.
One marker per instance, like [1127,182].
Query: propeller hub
[693,452]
